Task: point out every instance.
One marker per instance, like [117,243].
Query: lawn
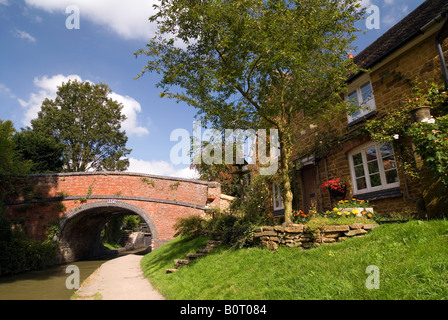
[412,260]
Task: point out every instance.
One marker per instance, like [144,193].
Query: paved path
[118,279]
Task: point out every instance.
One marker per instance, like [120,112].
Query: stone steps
[179,263]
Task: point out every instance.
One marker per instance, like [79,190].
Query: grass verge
[412,259]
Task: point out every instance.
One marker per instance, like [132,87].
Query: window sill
[362,118]
[379,195]
[279,212]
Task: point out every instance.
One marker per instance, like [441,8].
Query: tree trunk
[286,181]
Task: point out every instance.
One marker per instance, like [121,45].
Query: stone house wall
[391,84]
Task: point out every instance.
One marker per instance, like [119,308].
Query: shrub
[18,253]
[193,226]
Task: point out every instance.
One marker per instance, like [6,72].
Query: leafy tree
[45,153]
[10,160]
[255,64]
[88,123]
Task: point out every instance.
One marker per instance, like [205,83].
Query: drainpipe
[439,49]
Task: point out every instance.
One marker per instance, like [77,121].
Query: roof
[401,33]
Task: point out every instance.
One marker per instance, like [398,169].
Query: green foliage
[44,152]
[256,203]
[192,226]
[10,160]
[112,232]
[148,182]
[53,229]
[88,123]
[18,253]
[429,137]
[174,186]
[431,143]
[237,55]
[131,221]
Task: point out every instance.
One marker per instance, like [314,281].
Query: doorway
[309,187]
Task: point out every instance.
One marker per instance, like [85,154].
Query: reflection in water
[48,284]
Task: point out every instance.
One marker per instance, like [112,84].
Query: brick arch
[64,198]
[80,228]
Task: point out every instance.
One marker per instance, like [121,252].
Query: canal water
[49,283]
[46,284]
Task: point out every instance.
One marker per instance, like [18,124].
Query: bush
[192,226]
[231,230]
[18,253]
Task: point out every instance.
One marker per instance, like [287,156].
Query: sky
[44,43]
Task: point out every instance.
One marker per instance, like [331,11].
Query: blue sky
[38,52]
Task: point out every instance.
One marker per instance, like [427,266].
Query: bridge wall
[44,199]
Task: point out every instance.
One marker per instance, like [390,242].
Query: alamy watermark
[373,18]
[73,280]
[207,146]
[373,280]
[73,21]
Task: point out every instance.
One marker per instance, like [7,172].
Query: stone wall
[299,235]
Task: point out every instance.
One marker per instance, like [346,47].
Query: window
[278,201]
[373,167]
[363,98]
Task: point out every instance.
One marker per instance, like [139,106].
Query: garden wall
[299,235]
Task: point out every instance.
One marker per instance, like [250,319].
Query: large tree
[88,122]
[255,64]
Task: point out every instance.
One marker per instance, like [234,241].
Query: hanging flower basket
[420,113]
[336,187]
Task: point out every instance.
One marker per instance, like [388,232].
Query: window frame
[364,109]
[382,172]
[277,197]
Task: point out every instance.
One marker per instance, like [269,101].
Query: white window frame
[277,197]
[366,106]
[384,185]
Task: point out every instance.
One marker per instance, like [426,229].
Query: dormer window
[362,97]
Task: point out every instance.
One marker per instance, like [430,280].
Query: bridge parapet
[49,198]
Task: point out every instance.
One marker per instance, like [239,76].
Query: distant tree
[256,64]
[44,152]
[10,160]
[88,123]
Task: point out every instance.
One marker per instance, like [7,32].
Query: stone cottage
[415,48]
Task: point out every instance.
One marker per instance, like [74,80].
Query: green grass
[412,259]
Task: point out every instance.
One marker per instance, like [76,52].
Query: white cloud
[4,2]
[129,19]
[4,89]
[47,88]
[131,108]
[24,35]
[161,168]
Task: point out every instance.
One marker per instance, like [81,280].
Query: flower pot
[420,113]
[336,194]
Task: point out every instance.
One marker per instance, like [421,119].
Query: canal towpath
[118,279]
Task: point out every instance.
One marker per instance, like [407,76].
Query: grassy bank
[412,259]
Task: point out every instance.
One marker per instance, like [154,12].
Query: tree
[45,153]
[88,123]
[10,160]
[255,64]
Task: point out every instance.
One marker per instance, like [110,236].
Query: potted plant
[336,187]
[419,107]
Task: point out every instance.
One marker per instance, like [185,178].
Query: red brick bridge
[81,203]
